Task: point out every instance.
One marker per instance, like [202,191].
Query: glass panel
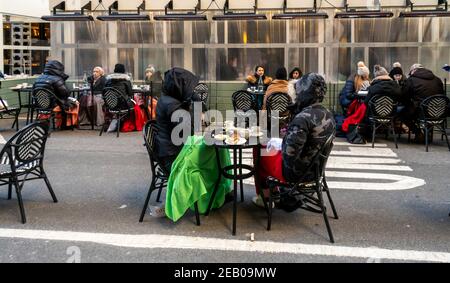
[177,57]
[155,57]
[90,32]
[307,59]
[344,62]
[257,32]
[342,30]
[249,58]
[427,26]
[139,32]
[38,59]
[199,62]
[7,63]
[86,60]
[386,30]
[444,29]
[227,66]
[7,34]
[175,32]
[303,31]
[385,57]
[126,57]
[201,32]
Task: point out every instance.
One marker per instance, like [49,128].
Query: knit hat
[361,64]
[380,71]
[363,71]
[281,74]
[396,65]
[415,67]
[396,71]
[119,69]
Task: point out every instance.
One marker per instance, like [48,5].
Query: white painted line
[361,151]
[401,182]
[214,244]
[361,163]
[2,140]
[358,145]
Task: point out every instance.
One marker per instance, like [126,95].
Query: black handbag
[354,135]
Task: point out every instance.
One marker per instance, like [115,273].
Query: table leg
[93,111]
[241,182]
[235,190]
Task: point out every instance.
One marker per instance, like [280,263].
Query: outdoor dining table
[29,105]
[78,92]
[236,169]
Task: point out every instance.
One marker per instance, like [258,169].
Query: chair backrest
[44,99]
[150,132]
[202,91]
[382,106]
[278,102]
[114,99]
[434,107]
[244,101]
[26,148]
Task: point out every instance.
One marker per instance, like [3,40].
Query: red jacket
[355,114]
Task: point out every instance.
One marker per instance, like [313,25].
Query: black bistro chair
[381,113]
[115,102]
[44,101]
[202,91]
[8,112]
[278,102]
[160,175]
[433,114]
[245,105]
[22,160]
[309,192]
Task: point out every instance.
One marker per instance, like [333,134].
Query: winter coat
[384,85]
[177,94]
[291,89]
[54,80]
[98,85]
[420,85]
[347,94]
[276,86]
[306,135]
[121,82]
[254,79]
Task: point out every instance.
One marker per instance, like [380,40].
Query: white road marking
[361,163]
[362,151]
[358,145]
[401,182]
[214,244]
[2,140]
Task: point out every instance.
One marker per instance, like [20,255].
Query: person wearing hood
[354,84]
[177,94]
[294,76]
[54,79]
[383,84]
[308,132]
[397,75]
[280,84]
[259,77]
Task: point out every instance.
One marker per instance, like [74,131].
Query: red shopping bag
[270,165]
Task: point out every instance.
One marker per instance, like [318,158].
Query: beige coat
[276,86]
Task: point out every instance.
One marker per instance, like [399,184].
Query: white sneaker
[157,212]
[258,201]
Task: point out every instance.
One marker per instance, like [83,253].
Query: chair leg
[10,189]
[426,138]
[241,182]
[325,216]
[197,214]
[144,209]
[333,208]
[118,125]
[373,134]
[393,132]
[50,189]
[19,199]
[102,129]
[270,210]
[161,186]
[444,134]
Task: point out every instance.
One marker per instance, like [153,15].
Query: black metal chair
[433,114]
[305,190]
[381,113]
[202,91]
[278,102]
[117,104]
[44,101]
[245,105]
[22,160]
[8,112]
[160,175]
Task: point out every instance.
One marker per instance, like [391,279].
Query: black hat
[396,71]
[119,69]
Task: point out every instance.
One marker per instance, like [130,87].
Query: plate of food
[235,139]
[220,137]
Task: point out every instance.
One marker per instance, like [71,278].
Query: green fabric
[193,178]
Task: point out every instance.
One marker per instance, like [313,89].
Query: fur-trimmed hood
[118,77]
[254,80]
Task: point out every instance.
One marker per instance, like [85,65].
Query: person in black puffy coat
[54,79]
[383,84]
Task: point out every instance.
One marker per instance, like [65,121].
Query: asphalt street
[394,208]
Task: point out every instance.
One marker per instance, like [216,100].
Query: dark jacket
[54,79]
[384,86]
[308,131]
[347,94]
[177,94]
[422,84]
[121,82]
[99,84]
